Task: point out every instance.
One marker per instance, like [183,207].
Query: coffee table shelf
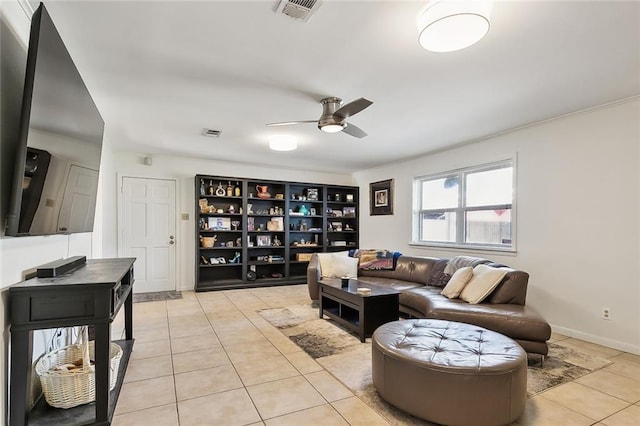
[358,313]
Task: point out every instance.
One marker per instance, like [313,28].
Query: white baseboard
[611,343]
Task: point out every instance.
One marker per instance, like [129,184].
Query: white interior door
[148,230]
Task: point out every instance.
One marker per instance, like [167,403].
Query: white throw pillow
[339,264]
[485,280]
[457,282]
[335,265]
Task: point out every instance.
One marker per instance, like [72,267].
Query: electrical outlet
[185,216]
[606,313]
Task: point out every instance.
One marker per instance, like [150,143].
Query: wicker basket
[207,242]
[66,389]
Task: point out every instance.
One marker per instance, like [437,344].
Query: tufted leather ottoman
[449,372]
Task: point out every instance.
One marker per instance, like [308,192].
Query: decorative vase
[220,190]
[304,210]
[263,191]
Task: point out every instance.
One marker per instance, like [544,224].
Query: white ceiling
[160,72]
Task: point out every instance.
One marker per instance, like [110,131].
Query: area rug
[341,353]
[156,296]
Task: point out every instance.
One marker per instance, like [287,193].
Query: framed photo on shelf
[220,223]
[381,197]
[349,198]
[263,240]
[349,211]
[312,194]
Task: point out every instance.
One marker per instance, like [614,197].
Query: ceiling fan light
[332,128]
[450,25]
[283,143]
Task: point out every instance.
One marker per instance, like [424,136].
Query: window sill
[457,248]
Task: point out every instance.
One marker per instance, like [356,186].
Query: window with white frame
[471,207]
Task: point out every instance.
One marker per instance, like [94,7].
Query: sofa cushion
[438,278]
[457,262]
[408,268]
[516,321]
[483,281]
[458,282]
[418,299]
[394,283]
[512,288]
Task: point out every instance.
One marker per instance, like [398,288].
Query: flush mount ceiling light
[283,143]
[450,25]
[332,128]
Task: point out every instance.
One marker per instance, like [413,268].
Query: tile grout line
[173,368]
[137,381]
[244,387]
[326,402]
[330,403]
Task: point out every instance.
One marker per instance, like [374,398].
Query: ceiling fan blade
[354,130]
[352,108]
[288,123]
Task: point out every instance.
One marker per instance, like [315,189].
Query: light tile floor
[211,359]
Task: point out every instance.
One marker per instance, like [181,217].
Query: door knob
[171,237]
[171,242]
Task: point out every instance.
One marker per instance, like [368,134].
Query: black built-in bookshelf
[254,232]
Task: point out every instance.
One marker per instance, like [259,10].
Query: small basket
[66,389]
[207,242]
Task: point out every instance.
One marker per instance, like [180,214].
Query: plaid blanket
[375,259]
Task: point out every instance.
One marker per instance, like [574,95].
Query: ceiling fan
[334,116]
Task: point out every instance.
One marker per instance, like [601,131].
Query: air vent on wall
[298,9]
[211,133]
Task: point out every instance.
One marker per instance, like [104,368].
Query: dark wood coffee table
[359,313]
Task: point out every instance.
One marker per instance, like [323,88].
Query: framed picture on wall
[381,197]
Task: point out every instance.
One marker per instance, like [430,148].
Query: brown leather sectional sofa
[420,281]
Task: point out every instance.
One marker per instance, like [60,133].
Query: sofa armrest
[313,276]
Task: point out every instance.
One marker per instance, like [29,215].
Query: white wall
[22,254]
[578,233]
[183,170]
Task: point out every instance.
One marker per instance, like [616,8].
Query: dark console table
[91,294]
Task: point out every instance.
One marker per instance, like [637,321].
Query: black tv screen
[60,142]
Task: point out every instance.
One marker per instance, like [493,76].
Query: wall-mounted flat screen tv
[60,142]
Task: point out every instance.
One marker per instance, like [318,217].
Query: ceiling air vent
[211,133]
[298,9]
